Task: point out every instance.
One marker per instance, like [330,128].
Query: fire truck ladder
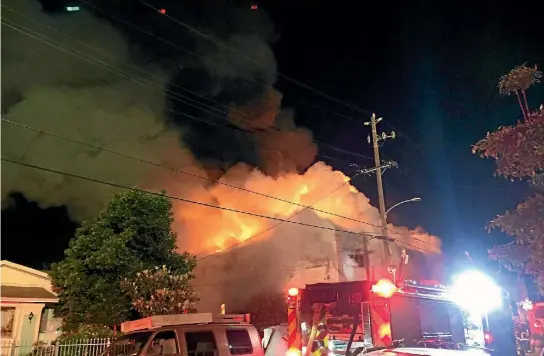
[319,332]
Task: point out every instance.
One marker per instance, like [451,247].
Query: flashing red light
[488,338]
[254,7]
[293,352]
[293,292]
[162,11]
[384,288]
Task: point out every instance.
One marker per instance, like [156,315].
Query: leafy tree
[132,233]
[160,291]
[519,154]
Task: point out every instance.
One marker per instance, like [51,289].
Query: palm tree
[518,81]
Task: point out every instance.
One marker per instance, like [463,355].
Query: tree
[132,233]
[160,291]
[519,154]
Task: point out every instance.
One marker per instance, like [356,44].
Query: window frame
[10,335]
[111,349]
[250,345]
[196,331]
[150,341]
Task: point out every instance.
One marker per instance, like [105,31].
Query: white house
[27,299]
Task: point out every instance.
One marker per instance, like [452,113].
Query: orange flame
[322,188]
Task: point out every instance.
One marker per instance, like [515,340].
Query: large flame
[203,230]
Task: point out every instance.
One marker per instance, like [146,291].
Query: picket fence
[85,347]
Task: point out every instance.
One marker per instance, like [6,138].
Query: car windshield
[128,345]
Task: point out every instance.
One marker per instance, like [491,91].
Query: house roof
[24,268]
[27,294]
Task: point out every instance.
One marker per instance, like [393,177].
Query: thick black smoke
[233,97]
[196,94]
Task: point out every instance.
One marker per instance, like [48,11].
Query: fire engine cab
[362,316]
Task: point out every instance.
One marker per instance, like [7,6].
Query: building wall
[15,275]
[294,257]
[22,311]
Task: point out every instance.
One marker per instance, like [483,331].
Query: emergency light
[293,292]
[293,352]
[476,292]
[527,305]
[384,288]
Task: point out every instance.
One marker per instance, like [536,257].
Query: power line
[189,201]
[188,173]
[148,162]
[146,83]
[116,70]
[40,131]
[71,175]
[128,64]
[190,52]
[352,106]
[289,218]
[251,60]
[406,170]
[138,81]
[193,54]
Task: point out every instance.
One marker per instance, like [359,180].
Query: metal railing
[84,347]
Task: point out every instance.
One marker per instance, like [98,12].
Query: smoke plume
[48,88]
[242,137]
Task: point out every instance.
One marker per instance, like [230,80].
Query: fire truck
[351,318]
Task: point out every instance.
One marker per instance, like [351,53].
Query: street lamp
[400,203]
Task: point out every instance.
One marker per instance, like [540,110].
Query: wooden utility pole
[366,252]
[375,138]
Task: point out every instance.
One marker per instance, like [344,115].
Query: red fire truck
[362,316]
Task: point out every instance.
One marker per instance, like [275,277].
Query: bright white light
[527,305]
[72,8]
[476,292]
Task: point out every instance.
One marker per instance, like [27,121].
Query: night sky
[429,69]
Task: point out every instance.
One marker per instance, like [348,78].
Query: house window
[358,258]
[46,318]
[8,318]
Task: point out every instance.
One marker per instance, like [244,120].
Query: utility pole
[366,253]
[375,138]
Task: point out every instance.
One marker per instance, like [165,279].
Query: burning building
[259,169]
[243,254]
